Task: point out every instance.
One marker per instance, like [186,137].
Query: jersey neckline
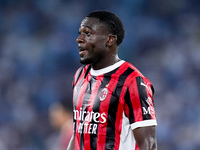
[107,69]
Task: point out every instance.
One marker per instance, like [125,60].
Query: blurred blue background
[39,56]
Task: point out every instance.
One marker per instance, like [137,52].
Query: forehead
[92,23]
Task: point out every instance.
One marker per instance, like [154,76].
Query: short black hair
[112,21]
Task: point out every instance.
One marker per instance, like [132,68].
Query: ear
[111,40]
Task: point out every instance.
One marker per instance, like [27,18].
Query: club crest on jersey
[103,94]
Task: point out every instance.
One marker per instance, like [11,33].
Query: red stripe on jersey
[136,147]
[78,76]
[89,108]
[134,93]
[136,104]
[79,105]
[104,109]
[118,123]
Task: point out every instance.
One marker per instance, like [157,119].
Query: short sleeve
[139,107]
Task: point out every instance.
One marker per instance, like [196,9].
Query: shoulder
[137,77]
[131,71]
[81,72]
[132,67]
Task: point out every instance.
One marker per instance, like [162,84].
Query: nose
[80,39]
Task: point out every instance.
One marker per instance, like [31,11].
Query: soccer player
[113,106]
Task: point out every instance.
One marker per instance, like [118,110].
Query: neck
[106,63]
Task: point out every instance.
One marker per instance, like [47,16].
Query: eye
[87,33]
[84,32]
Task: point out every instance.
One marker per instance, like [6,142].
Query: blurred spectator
[60,115]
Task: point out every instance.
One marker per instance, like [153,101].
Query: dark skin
[99,48]
[96,45]
[145,138]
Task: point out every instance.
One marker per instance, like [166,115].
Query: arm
[145,138]
[71,145]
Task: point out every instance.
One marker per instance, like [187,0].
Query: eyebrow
[86,26]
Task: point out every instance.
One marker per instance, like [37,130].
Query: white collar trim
[107,69]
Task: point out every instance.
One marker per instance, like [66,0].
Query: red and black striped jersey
[108,104]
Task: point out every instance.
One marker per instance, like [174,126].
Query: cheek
[98,46]
[101,44]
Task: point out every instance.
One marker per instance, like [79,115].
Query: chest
[99,93]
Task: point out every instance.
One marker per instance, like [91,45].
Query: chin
[85,61]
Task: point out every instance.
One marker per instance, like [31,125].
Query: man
[113,106]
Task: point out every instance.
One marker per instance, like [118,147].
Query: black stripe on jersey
[77,93]
[85,104]
[113,106]
[78,75]
[128,102]
[96,106]
[143,98]
[153,90]
[79,72]
[81,141]
[87,71]
[81,81]
[75,101]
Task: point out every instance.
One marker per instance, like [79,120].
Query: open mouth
[82,52]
